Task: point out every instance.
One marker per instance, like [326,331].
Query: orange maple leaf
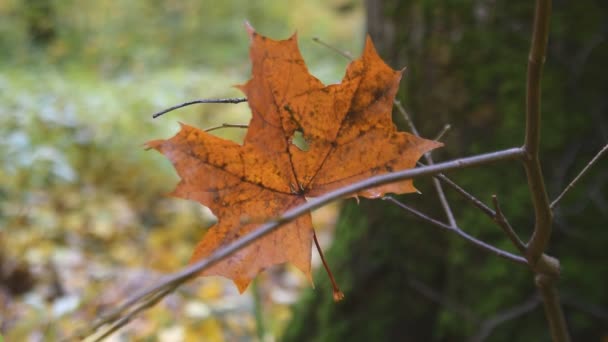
[349,133]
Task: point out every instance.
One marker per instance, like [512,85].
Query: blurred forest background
[84,221]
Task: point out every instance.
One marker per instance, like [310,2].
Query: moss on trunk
[466,65]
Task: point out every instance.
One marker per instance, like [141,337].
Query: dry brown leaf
[349,135]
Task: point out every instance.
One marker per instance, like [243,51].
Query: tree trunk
[466,66]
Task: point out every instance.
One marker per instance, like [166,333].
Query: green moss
[469,69]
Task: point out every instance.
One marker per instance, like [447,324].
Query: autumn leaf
[349,135]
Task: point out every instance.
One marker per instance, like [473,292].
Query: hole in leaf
[299,140]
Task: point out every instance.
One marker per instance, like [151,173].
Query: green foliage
[111,36]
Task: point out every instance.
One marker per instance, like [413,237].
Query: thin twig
[477,243]
[417,213]
[344,54]
[466,195]
[496,216]
[429,159]
[581,174]
[593,310]
[441,299]
[502,221]
[488,325]
[145,305]
[443,131]
[226,125]
[189,103]
[193,270]
[447,209]
[406,117]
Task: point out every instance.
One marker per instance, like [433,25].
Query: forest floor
[84,219]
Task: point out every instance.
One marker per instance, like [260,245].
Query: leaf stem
[337,294]
[189,103]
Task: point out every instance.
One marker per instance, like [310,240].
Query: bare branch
[189,103]
[502,221]
[576,179]
[536,246]
[477,243]
[496,216]
[123,320]
[193,270]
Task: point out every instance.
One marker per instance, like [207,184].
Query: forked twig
[581,174]
[447,209]
[542,212]
[477,243]
[466,195]
[546,275]
[496,216]
[189,103]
